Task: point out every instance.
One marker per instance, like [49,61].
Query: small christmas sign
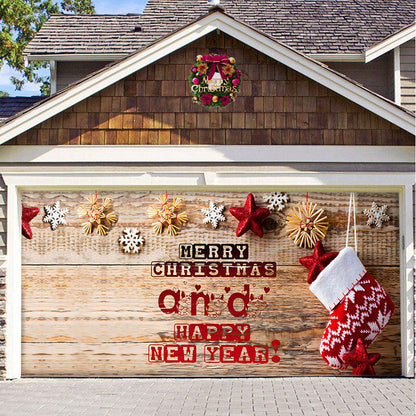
[214,80]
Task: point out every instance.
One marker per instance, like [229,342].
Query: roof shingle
[310,26]
[9,106]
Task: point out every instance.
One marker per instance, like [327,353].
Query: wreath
[214,80]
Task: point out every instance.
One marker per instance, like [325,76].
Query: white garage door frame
[207,179]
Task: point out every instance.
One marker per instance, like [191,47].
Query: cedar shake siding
[276,105]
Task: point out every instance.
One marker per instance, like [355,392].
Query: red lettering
[243,354]
[172,353]
[176,298]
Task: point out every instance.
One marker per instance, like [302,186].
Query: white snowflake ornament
[376,215]
[213,214]
[276,200]
[131,240]
[55,215]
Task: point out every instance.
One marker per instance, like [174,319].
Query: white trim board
[52,66]
[381,182]
[207,154]
[70,57]
[177,40]
[390,43]
[337,57]
[397,76]
[327,57]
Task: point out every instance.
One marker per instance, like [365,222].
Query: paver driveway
[208,397]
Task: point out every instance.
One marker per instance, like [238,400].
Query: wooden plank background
[91,310]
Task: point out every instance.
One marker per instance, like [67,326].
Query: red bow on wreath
[217,60]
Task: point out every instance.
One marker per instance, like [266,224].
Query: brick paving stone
[208,397]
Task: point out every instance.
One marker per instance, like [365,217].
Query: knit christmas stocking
[359,307]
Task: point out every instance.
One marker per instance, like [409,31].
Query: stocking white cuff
[338,278]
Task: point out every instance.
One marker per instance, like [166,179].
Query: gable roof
[310,26]
[9,106]
[215,20]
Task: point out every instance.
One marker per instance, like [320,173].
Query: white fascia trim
[77,57]
[188,34]
[148,177]
[328,57]
[390,43]
[306,179]
[337,57]
[52,66]
[13,284]
[407,282]
[207,154]
[397,77]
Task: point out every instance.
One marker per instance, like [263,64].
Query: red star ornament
[27,215]
[361,362]
[318,261]
[250,217]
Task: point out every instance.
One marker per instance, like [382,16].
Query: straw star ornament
[98,216]
[167,216]
[305,224]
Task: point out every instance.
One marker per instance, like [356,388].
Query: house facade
[323,121]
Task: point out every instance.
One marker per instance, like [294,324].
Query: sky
[101,7]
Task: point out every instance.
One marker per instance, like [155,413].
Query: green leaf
[20,20]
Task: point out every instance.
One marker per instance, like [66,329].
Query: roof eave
[75,56]
[391,42]
[337,57]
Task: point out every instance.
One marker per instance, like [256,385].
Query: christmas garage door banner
[196,300]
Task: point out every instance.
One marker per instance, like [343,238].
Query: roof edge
[76,56]
[324,57]
[95,14]
[206,24]
[391,42]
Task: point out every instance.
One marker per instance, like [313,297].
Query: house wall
[376,75]
[276,105]
[407,75]
[68,72]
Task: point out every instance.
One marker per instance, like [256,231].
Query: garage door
[201,303]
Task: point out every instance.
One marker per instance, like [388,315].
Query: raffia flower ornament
[167,216]
[305,224]
[98,216]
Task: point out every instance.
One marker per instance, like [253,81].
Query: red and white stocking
[359,307]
